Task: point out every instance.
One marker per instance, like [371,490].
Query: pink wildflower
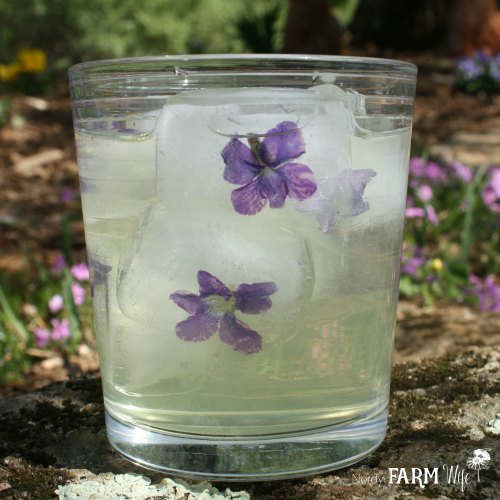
[80,271]
[431,215]
[415,213]
[425,192]
[55,303]
[78,293]
[60,329]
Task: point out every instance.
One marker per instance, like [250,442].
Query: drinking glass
[243,220]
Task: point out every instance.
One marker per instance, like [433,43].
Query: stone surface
[444,394]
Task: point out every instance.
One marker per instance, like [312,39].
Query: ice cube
[170,249]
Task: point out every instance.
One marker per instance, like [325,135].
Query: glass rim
[346,63]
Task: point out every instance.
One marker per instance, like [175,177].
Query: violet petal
[282,143]
[241,165]
[210,285]
[300,180]
[239,335]
[254,298]
[273,186]
[248,200]
[354,183]
[188,301]
[196,328]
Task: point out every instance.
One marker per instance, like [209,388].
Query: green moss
[34,482]
[429,373]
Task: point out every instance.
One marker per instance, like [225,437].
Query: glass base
[252,459]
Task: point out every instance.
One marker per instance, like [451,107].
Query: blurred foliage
[76,30]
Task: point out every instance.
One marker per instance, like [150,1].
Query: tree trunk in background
[475,26]
[403,24]
[312,29]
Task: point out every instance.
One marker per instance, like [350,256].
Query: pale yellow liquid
[327,339]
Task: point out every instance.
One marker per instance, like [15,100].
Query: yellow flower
[32,60]
[437,264]
[9,72]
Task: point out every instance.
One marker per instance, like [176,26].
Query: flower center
[218,305]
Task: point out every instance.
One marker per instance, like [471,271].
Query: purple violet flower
[42,336]
[340,197]
[491,193]
[470,68]
[60,329]
[461,171]
[488,293]
[264,169]
[80,271]
[59,263]
[417,166]
[435,173]
[67,195]
[213,310]
[412,265]
[55,303]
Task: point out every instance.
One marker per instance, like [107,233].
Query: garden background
[451,258]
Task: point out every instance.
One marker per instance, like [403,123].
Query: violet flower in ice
[213,310]
[340,197]
[100,273]
[265,170]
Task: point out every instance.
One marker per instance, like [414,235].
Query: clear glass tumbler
[243,219]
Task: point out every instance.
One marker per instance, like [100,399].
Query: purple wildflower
[55,303]
[488,293]
[213,310]
[430,171]
[495,68]
[417,167]
[463,172]
[67,195]
[264,170]
[435,173]
[60,329]
[59,263]
[78,294]
[340,197]
[42,336]
[100,273]
[412,265]
[470,68]
[491,193]
[80,271]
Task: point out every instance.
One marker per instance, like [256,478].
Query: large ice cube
[170,249]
